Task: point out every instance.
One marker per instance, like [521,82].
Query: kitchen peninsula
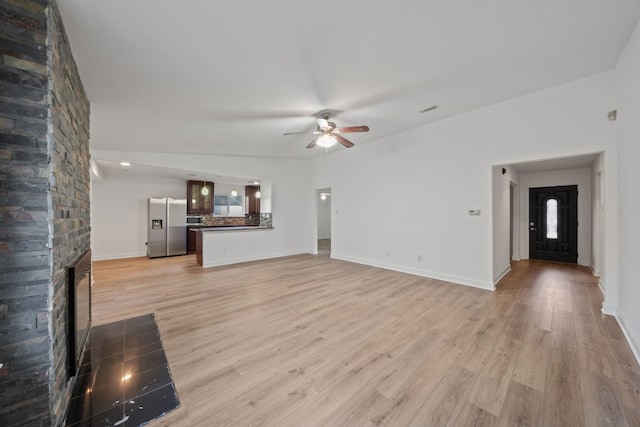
[232,223]
[225,245]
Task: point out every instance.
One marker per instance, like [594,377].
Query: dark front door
[553,223]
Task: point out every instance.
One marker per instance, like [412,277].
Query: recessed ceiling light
[433,107]
[191,174]
[256,183]
[125,164]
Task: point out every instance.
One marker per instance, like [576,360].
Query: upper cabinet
[199,197]
[253,202]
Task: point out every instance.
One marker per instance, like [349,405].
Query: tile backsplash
[266,220]
[210,220]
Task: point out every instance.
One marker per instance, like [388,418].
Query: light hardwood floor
[324,245]
[310,341]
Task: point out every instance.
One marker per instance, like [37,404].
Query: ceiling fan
[328,133]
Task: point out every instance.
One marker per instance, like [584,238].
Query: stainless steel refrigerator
[167,230]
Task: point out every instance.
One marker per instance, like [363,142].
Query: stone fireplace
[45,210]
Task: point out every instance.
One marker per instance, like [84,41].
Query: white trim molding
[501,275]
[260,257]
[417,272]
[633,341]
[117,256]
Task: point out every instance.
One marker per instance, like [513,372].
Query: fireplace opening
[79,323]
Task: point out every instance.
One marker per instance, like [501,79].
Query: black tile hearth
[124,379]
[153,404]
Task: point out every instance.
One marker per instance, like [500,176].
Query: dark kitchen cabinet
[199,247]
[199,202]
[191,241]
[253,202]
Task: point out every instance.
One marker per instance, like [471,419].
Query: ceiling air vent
[433,107]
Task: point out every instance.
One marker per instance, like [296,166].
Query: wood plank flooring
[310,341]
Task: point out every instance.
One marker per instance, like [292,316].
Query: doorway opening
[324,220]
[512,234]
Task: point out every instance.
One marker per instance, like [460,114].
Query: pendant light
[204,190]
[258,193]
[234,192]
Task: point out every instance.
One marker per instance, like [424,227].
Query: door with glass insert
[553,223]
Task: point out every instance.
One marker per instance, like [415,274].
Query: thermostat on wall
[474,212]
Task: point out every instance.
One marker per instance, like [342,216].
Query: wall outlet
[419,257]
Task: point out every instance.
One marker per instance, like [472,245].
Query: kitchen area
[237,228]
[177,226]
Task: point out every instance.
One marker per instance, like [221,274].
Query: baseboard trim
[261,257]
[633,341]
[601,285]
[417,272]
[503,273]
[115,256]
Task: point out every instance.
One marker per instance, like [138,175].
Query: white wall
[628,134]
[583,179]
[515,226]
[119,228]
[119,213]
[235,246]
[324,217]
[440,171]
[598,216]
[501,195]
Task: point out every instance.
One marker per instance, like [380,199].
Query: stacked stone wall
[44,207]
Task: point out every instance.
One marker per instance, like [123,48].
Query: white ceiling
[201,76]
[109,168]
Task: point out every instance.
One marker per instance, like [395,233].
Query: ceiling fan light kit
[326,141]
[329,134]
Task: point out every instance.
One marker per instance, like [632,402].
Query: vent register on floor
[124,378]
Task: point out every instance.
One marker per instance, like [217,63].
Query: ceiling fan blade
[349,129]
[342,140]
[313,143]
[240,115]
[295,133]
[315,132]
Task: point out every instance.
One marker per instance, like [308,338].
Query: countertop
[206,229]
